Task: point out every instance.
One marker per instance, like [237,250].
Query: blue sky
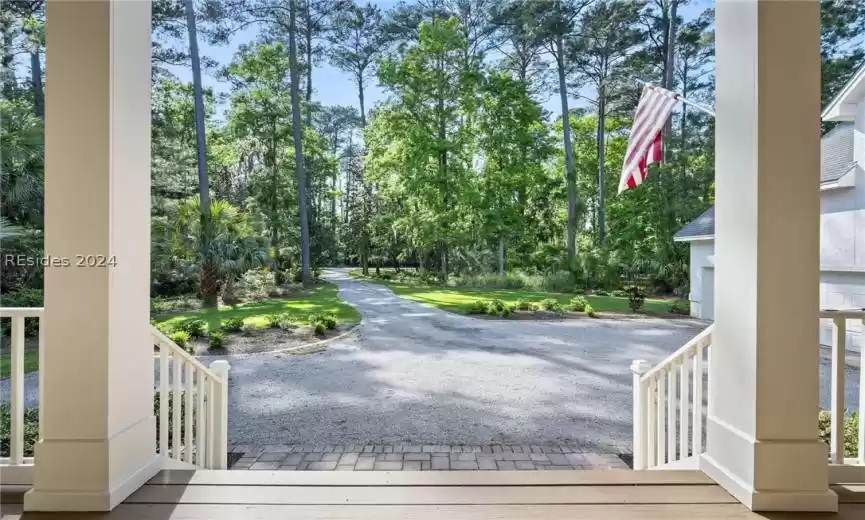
[334,87]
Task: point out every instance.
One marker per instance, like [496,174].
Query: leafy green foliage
[524,305]
[578,304]
[31,430]
[498,308]
[273,320]
[590,311]
[680,307]
[550,304]
[182,339]
[232,324]
[195,328]
[851,431]
[478,307]
[636,297]
[217,340]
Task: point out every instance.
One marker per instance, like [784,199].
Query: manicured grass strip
[321,299]
[459,299]
[31,362]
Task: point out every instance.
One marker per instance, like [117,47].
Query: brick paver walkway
[418,457]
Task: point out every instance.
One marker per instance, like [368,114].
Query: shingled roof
[836,159]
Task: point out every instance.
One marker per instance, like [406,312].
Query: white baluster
[662,417]
[187,413]
[176,403]
[651,418]
[684,405]
[220,406]
[163,399]
[671,413]
[697,435]
[211,423]
[839,348]
[862,403]
[16,445]
[641,389]
[200,420]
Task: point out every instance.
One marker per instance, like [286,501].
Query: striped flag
[644,145]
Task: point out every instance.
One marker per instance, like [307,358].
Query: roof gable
[843,107]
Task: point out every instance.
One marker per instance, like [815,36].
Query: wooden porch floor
[607,495]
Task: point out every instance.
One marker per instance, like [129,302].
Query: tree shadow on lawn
[321,299]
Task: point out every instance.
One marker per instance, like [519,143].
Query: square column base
[105,471]
[769,475]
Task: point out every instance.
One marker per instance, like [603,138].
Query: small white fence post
[220,407]
[638,368]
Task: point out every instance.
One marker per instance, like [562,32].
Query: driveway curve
[413,373]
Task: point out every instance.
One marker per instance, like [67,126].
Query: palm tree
[232,249]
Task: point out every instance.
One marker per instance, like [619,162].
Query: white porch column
[762,437]
[98,435]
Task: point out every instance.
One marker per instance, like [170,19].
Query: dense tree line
[460,170]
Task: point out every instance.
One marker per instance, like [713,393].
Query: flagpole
[698,106]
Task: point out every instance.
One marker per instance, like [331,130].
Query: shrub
[166,328]
[478,307]
[603,293]
[560,281]
[578,303]
[579,291]
[272,321]
[285,322]
[499,308]
[851,431]
[330,321]
[636,297]
[31,430]
[590,312]
[195,328]
[319,328]
[232,325]
[524,305]
[23,298]
[217,339]
[620,293]
[182,338]
[550,304]
[679,307]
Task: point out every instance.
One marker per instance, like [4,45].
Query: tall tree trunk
[360,98]
[669,63]
[501,253]
[36,81]
[602,109]
[308,15]
[297,132]
[209,295]
[570,173]
[333,219]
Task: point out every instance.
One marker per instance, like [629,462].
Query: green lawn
[321,299]
[459,299]
[31,362]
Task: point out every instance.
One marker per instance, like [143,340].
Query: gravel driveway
[417,374]
[412,373]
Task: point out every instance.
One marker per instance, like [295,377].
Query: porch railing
[16,468]
[669,401]
[843,468]
[192,422]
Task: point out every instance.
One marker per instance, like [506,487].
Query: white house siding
[842,256]
[702,257]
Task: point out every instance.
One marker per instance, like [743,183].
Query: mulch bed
[569,315]
[267,340]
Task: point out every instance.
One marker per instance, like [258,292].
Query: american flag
[644,145]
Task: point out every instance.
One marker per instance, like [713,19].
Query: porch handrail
[195,431]
[667,397]
[838,387]
[15,468]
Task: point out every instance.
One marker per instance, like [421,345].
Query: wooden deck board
[430,478]
[430,495]
[485,512]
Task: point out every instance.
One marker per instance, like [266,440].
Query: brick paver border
[419,457]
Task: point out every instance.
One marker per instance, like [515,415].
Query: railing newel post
[638,368]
